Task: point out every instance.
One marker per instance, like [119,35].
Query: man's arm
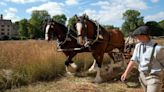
[128,69]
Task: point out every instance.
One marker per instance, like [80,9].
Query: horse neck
[91,28]
[61,32]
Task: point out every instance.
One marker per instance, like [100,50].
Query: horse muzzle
[80,40]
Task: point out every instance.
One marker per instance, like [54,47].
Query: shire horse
[66,39]
[99,40]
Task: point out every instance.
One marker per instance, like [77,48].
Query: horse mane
[96,25]
[64,28]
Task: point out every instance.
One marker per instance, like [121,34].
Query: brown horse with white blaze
[99,40]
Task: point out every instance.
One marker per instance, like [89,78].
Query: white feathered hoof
[104,74]
[97,80]
[93,68]
[71,69]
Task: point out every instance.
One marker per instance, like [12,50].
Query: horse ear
[85,16]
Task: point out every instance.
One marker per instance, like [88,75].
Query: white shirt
[143,58]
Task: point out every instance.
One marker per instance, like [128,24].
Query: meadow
[34,61]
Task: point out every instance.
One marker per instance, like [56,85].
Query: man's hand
[124,76]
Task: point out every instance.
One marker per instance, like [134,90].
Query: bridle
[83,21]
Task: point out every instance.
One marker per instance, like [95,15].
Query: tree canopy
[34,27]
[132,21]
[23,29]
[155,28]
[37,19]
[161,23]
[60,18]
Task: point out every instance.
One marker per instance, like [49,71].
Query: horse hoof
[91,70]
[73,65]
[71,70]
[70,74]
[97,81]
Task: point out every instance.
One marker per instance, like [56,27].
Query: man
[150,69]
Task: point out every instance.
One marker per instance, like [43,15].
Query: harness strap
[151,58]
[66,39]
[98,32]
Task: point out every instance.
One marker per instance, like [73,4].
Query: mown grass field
[36,66]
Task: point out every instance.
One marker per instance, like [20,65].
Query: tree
[110,27]
[155,28]
[132,21]
[71,22]
[31,30]
[36,21]
[161,23]
[23,29]
[60,18]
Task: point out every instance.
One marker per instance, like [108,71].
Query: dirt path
[75,84]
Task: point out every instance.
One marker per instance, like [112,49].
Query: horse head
[55,29]
[81,27]
[49,30]
[86,29]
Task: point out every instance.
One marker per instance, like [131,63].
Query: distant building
[7,28]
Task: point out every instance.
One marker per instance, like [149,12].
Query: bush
[15,38]
[5,37]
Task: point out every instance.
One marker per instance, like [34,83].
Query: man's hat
[142,30]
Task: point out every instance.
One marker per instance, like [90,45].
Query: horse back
[116,39]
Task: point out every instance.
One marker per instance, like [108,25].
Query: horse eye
[52,26]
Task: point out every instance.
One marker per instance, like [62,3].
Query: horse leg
[93,67]
[98,59]
[111,65]
[70,65]
[123,63]
[111,56]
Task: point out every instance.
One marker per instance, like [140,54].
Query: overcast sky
[104,11]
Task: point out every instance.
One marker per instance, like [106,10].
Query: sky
[106,12]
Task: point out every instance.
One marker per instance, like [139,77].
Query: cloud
[110,12]
[156,17]
[99,3]
[71,2]
[154,1]
[137,4]
[26,1]
[3,4]
[11,14]
[53,8]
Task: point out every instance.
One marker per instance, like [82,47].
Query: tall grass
[23,62]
